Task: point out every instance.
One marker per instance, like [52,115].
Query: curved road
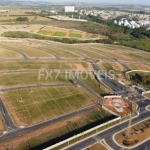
[108,134]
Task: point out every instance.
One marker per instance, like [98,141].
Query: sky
[142,2]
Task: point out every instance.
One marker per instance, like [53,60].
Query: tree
[22,19]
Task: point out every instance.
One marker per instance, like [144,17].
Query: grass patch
[98,88]
[66,130]
[5,54]
[22,34]
[21,65]
[28,107]
[62,53]
[45,32]
[60,34]
[108,66]
[26,79]
[75,35]
[29,51]
[139,44]
[140,57]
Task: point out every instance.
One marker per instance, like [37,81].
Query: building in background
[69,9]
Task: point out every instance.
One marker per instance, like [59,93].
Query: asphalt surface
[108,134]
[103,78]
[24,55]
[90,91]
[9,123]
[54,54]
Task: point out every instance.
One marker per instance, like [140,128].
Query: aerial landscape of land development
[74,75]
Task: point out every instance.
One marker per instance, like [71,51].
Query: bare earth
[17,141]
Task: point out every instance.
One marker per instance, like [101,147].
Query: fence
[113,96]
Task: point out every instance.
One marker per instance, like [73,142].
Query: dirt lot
[31,139]
[16,142]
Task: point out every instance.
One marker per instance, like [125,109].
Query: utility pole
[129,129]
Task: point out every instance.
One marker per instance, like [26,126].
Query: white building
[69,9]
[3,11]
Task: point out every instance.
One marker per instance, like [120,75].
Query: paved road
[103,78]
[12,49]
[90,91]
[112,58]
[15,132]
[9,123]
[54,54]
[108,134]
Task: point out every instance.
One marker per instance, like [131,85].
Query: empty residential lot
[32,106]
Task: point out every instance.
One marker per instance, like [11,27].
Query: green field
[60,33]
[28,107]
[139,44]
[45,32]
[75,35]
